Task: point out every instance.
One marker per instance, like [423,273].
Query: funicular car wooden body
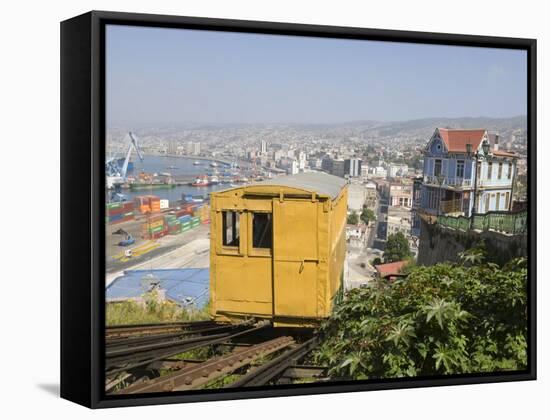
[277,249]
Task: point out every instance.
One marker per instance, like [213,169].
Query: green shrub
[151,310]
[442,319]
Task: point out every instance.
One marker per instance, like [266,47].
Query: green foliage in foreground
[442,319]
[149,311]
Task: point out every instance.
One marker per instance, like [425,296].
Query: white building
[399,220]
[352,167]
[356,234]
[263,147]
[302,161]
[378,172]
[401,195]
[294,169]
[397,170]
[364,170]
[193,148]
[357,195]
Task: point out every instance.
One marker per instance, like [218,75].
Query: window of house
[460,169]
[437,167]
[487,202]
[497,205]
[489,170]
[510,167]
[500,170]
[262,226]
[230,228]
[507,201]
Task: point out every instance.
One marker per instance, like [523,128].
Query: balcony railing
[448,182]
[498,221]
[503,182]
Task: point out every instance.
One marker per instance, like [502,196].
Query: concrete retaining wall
[438,244]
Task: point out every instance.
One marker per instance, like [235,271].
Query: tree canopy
[353,218]
[397,248]
[367,215]
[443,319]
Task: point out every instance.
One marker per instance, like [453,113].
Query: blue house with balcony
[465,173]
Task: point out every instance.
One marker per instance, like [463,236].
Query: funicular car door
[295,257]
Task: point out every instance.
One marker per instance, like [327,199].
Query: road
[195,254]
[188,249]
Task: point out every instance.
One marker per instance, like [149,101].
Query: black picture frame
[83,209]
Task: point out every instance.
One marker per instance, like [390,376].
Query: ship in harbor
[137,186]
[201,181]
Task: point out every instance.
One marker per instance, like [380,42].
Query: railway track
[125,331]
[149,358]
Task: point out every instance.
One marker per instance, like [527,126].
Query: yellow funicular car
[277,249]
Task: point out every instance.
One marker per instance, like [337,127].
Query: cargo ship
[136,186]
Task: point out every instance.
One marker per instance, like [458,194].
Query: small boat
[201,181]
[214,180]
[171,167]
[197,199]
[214,164]
[196,163]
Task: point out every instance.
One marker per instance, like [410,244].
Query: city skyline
[188,76]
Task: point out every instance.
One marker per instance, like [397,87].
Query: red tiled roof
[456,140]
[390,269]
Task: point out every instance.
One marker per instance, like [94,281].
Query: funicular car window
[262,226]
[230,228]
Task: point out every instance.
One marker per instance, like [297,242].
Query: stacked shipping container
[173,224]
[119,212]
[189,216]
[154,227]
[147,204]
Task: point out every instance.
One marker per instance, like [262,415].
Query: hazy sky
[157,75]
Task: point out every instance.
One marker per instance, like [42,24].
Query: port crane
[116,175]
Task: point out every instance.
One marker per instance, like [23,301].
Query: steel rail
[171,351]
[113,353]
[194,376]
[159,324]
[130,341]
[266,372]
[122,331]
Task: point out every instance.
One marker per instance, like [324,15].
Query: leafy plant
[367,215]
[443,319]
[150,309]
[397,248]
[353,218]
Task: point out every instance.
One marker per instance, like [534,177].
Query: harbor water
[176,166]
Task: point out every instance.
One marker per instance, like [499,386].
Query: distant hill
[421,128]
[426,126]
